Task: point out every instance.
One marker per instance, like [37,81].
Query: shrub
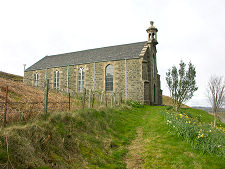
[134,104]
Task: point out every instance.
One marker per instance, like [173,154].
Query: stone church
[130,69]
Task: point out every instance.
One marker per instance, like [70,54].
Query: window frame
[56,80]
[81,77]
[36,78]
[109,80]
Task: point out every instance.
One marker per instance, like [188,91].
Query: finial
[151,23]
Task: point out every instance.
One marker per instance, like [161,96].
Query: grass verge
[165,149]
[101,139]
[83,139]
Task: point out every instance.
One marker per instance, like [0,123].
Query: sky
[188,30]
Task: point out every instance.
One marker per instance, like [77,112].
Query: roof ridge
[109,53]
[94,49]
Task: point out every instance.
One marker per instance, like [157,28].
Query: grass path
[133,158]
[156,147]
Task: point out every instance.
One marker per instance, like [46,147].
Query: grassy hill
[169,102]
[109,138]
[11,76]
[129,136]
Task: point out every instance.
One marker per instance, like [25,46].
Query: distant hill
[169,102]
[11,76]
[208,109]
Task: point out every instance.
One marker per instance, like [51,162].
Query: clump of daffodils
[202,136]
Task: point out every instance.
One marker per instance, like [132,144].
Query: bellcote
[152,34]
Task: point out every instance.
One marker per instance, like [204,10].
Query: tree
[216,94]
[181,84]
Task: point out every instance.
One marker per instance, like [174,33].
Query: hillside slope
[169,102]
[101,139]
[11,76]
[26,102]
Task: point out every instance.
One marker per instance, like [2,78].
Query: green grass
[100,139]
[81,139]
[201,116]
[165,149]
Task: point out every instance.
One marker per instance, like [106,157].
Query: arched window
[81,80]
[153,66]
[109,78]
[36,79]
[56,80]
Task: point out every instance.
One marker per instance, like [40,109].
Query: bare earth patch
[136,149]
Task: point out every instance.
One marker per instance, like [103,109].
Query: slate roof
[112,53]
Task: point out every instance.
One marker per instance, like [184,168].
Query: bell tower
[152,34]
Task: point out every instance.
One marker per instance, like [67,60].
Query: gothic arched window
[36,79]
[56,80]
[81,80]
[109,78]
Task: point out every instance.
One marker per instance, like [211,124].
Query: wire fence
[17,111]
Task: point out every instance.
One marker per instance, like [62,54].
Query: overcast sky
[191,30]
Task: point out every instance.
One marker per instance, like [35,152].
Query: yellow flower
[201,136]
[189,122]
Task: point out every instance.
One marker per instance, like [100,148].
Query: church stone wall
[135,85]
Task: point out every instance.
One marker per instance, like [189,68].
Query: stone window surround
[82,72]
[112,77]
[105,64]
[56,79]
[36,78]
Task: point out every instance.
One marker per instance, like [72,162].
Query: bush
[134,104]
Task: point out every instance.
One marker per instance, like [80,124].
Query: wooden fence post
[45,101]
[120,98]
[89,99]
[83,101]
[112,100]
[93,100]
[102,97]
[106,100]
[6,102]
[69,101]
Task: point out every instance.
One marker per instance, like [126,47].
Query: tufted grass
[86,138]
[100,139]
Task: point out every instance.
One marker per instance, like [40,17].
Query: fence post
[69,101]
[93,100]
[102,97]
[6,102]
[120,98]
[112,100]
[89,99]
[83,101]
[45,101]
[105,100]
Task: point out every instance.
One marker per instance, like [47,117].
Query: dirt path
[136,149]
